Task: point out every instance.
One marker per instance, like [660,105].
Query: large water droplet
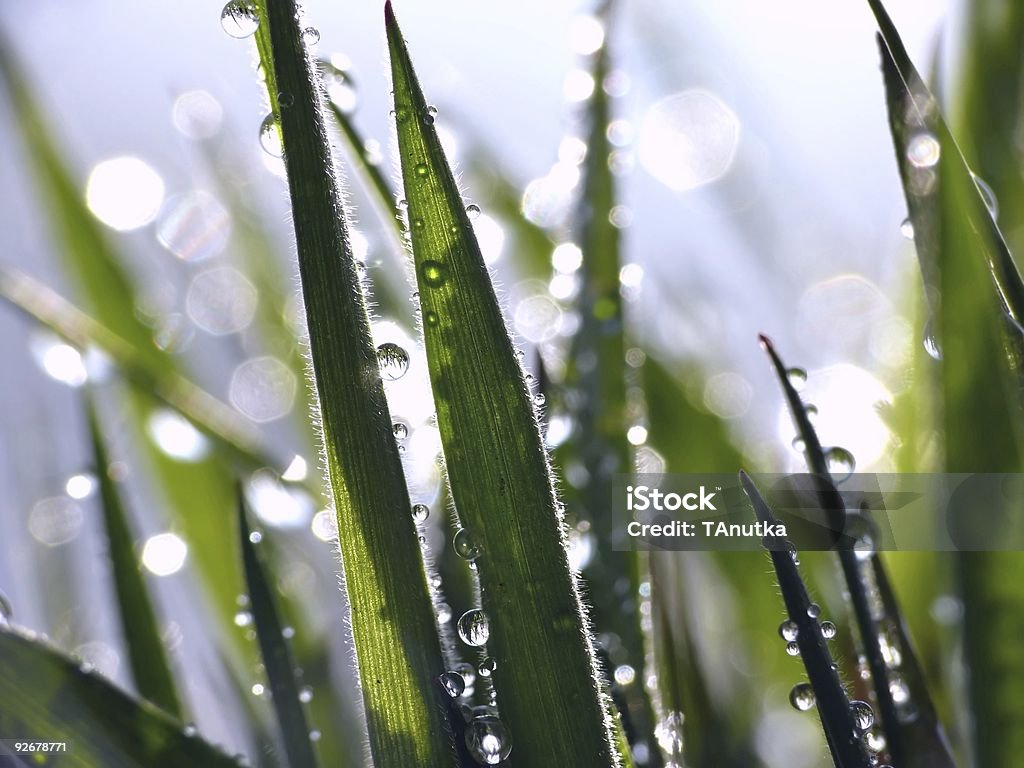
[828,630]
[473,210]
[434,273]
[788,631]
[400,430]
[270,136]
[863,715]
[453,683]
[487,667]
[487,740]
[793,649]
[240,18]
[840,463]
[311,36]
[802,697]
[392,360]
[420,512]
[466,546]
[474,628]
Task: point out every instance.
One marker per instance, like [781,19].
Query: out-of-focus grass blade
[980,402]
[397,648]
[274,650]
[840,718]
[989,243]
[147,655]
[199,492]
[987,120]
[45,696]
[545,678]
[214,417]
[906,736]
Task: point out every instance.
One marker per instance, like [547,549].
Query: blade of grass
[834,707]
[979,397]
[151,670]
[991,246]
[901,732]
[500,480]
[46,696]
[395,635]
[274,650]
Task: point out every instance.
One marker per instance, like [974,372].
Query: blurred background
[759,194]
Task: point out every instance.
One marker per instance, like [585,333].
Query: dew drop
[840,463]
[473,210]
[255,537]
[828,630]
[400,430]
[814,610]
[789,631]
[270,136]
[466,546]
[797,377]
[539,399]
[487,740]
[311,36]
[931,342]
[434,273]
[802,697]
[392,360]
[431,319]
[189,731]
[453,683]
[863,715]
[793,649]
[487,667]
[444,613]
[417,223]
[907,229]
[305,694]
[422,171]
[420,512]
[798,444]
[669,733]
[924,150]
[315,735]
[240,18]
[468,673]
[989,196]
[874,741]
[474,628]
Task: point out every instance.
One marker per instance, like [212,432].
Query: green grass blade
[834,707]
[497,467]
[397,648]
[990,245]
[274,650]
[979,398]
[147,655]
[906,737]
[45,696]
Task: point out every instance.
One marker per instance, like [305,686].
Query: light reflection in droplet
[60,361]
[164,554]
[538,318]
[491,236]
[567,257]
[197,115]
[578,86]
[80,486]
[728,395]
[325,525]
[586,34]
[689,139]
[275,504]
[124,193]
[297,470]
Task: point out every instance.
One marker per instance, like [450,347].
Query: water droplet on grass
[422,171]
[840,463]
[473,210]
[400,430]
[989,196]
[789,631]
[311,35]
[802,697]
[393,361]
[828,630]
[863,715]
[814,610]
[240,18]
[305,694]
[434,273]
[270,136]
[420,512]
[907,229]
[487,667]
[453,684]
[466,546]
[797,377]
[474,628]
[793,649]
[487,740]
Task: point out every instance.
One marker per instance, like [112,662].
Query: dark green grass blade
[980,406]
[833,704]
[905,736]
[497,467]
[991,247]
[147,655]
[397,648]
[274,650]
[45,696]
